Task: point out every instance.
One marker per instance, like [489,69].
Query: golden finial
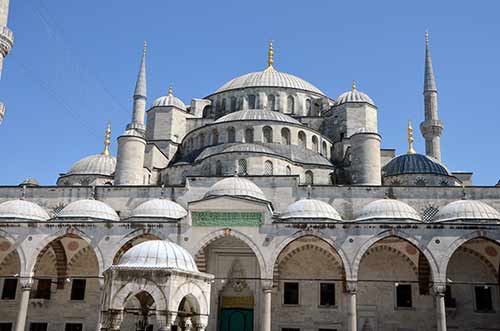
[170,90]
[353,85]
[145,47]
[107,140]
[270,56]
[410,139]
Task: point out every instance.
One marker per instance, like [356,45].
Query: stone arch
[194,293]
[131,289]
[301,234]
[130,240]
[198,251]
[17,250]
[45,243]
[434,267]
[375,248]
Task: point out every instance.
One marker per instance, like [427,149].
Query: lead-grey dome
[159,208]
[463,210]
[30,182]
[158,254]
[257,115]
[388,209]
[98,164]
[310,208]
[268,78]
[89,209]
[414,164]
[354,96]
[169,101]
[236,186]
[22,209]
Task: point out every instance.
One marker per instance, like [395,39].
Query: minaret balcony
[6,40]
[431,128]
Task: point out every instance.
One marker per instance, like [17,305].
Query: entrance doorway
[236,319]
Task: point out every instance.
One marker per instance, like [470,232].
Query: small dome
[388,209]
[310,208]
[99,164]
[90,209]
[268,78]
[169,101]
[257,115]
[467,210]
[414,164]
[159,208]
[354,96]
[22,209]
[236,186]
[30,182]
[158,254]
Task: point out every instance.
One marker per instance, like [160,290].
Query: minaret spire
[140,85]
[140,96]
[431,127]
[107,140]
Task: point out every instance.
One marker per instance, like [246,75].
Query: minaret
[6,36]
[132,143]
[431,127]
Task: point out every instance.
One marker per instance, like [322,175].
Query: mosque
[265,205]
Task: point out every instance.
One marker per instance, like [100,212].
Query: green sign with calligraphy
[200,218]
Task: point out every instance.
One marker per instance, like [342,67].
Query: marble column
[266,319]
[26,285]
[439,293]
[352,315]
[165,320]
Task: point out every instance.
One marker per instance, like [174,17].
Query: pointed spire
[170,90]
[353,88]
[107,140]
[270,57]
[411,150]
[140,85]
[429,80]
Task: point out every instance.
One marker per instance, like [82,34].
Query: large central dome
[268,78]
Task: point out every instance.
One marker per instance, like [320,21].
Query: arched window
[288,170]
[234,104]
[215,137]
[231,135]
[324,149]
[252,101]
[249,135]
[285,136]
[223,105]
[268,134]
[242,167]
[271,102]
[207,111]
[268,168]
[308,107]
[218,168]
[302,139]
[290,104]
[315,144]
[420,182]
[309,177]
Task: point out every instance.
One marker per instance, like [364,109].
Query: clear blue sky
[74,65]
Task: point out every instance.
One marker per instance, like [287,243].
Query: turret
[132,143]
[431,127]
[6,36]
[365,159]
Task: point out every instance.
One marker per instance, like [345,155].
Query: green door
[236,319]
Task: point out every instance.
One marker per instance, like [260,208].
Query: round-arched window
[268,168]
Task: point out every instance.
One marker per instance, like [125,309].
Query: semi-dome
[463,210]
[388,209]
[169,101]
[257,115]
[98,164]
[268,78]
[159,208]
[22,209]
[236,186]
[89,209]
[414,164]
[354,96]
[310,208]
[158,254]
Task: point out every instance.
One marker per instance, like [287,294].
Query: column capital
[267,285]
[165,319]
[439,289]
[351,286]
[26,283]
[112,319]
